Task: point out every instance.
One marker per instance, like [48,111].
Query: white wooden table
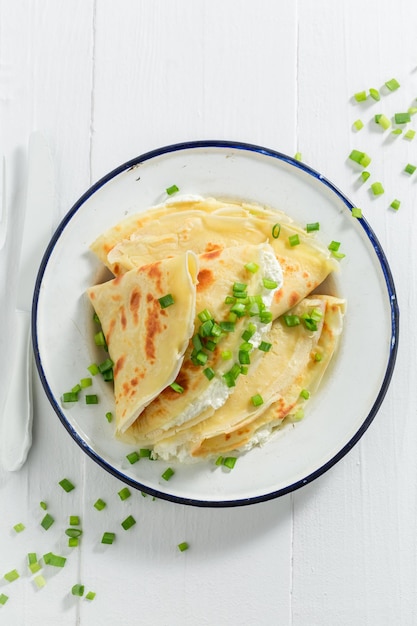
[107,81]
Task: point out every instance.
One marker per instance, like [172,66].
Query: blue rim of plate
[391,293]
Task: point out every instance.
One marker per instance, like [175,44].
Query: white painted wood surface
[107,81]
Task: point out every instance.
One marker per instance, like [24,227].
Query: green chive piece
[205,316]
[91,398]
[73,532]
[177,388]
[383,121]
[229,461]
[312,227]
[395,204]
[265,317]
[338,255]
[269,284]
[294,240]
[392,84]
[396,131]
[99,339]
[86,382]
[183,546]
[244,357]
[412,110]
[257,400]
[69,396]
[39,581]
[32,558]
[54,559]
[66,485]
[219,460]
[99,504]
[304,393]
[133,457]
[334,246]
[276,229]
[43,505]
[172,189]
[169,472]
[11,576]
[409,168]
[19,527]
[128,522]
[360,96]
[3,599]
[365,175]
[93,369]
[209,373]
[108,538]
[292,320]
[166,301]
[145,453]
[374,93]
[356,212]
[90,595]
[76,389]
[47,521]
[318,356]
[227,327]
[226,355]
[410,134]
[252,267]
[298,156]
[73,542]
[298,415]
[377,189]
[77,590]
[402,118]
[124,493]
[265,346]
[357,124]
[360,157]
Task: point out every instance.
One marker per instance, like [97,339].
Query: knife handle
[17,410]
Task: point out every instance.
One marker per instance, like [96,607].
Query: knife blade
[16,435]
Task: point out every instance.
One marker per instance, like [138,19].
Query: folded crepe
[146,340]
[279,377]
[218,271]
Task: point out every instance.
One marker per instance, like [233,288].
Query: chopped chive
[11,576]
[219,460]
[66,485]
[54,559]
[239,287]
[99,339]
[47,521]
[412,110]
[244,357]
[374,93]
[108,538]
[298,156]
[90,595]
[382,120]
[265,346]
[357,124]
[304,393]
[168,473]
[128,522]
[91,398]
[395,204]
[265,317]
[176,387]
[32,558]
[312,227]
[269,284]
[360,96]
[105,365]
[392,84]
[166,301]
[298,415]
[74,532]
[252,267]
[409,168]
[77,590]
[365,175]
[39,581]
[230,461]
[276,229]
[76,389]
[334,246]
[172,189]
[360,157]
[124,493]
[257,400]
[74,520]
[86,382]
[93,369]
[249,332]
[377,189]
[410,134]
[209,373]
[396,131]
[227,327]
[19,527]
[318,356]
[3,598]
[356,212]
[133,457]
[109,416]
[99,504]
[204,316]
[73,542]
[402,118]
[183,546]
[69,396]
[226,355]
[145,453]
[338,255]
[294,240]
[43,505]
[291,320]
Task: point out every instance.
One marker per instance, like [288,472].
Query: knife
[16,432]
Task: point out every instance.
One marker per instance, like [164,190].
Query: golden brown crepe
[145,341]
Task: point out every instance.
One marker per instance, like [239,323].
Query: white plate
[359,375]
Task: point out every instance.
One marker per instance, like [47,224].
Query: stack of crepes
[214,324]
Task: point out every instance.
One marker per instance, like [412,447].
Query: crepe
[146,342]
[219,270]
[290,367]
